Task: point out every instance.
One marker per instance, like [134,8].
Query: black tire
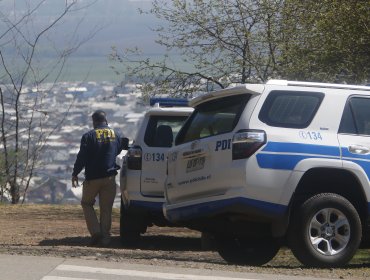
[132,224]
[247,250]
[325,231]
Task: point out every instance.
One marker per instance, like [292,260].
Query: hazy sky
[118,21]
[123,25]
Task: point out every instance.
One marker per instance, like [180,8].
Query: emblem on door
[194,144]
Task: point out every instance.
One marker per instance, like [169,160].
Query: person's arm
[80,161]
[122,142]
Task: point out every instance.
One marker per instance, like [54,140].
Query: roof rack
[168,102]
[313,84]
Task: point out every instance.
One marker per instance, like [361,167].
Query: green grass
[362,255]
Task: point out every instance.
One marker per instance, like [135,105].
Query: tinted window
[213,118]
[153,134]
[290,108]
[356,116]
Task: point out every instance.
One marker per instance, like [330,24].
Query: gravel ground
[61,231]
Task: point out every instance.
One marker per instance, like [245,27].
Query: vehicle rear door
[158,138]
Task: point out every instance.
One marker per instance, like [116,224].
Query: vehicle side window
[158,128]
[291,109]
[356,116]
[213,118]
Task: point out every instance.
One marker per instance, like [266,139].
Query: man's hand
[74,181]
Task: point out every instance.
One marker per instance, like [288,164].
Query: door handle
[358,149]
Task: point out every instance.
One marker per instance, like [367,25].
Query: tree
[24,117]
[326,41]
[241,41]
[225,42]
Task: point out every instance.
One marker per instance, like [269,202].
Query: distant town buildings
[68,107]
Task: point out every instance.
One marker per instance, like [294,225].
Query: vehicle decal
[150,181]
[195,164]
[281,161]
[269,209]
[222,145]
[195,179]
[190,153]
[299,148]
[310,135]
[148,157]
[349,155]
[154,157]
[285,156]
[361,160]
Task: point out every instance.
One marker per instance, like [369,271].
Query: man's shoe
[95,239]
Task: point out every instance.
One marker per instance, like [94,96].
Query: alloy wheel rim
[329,231]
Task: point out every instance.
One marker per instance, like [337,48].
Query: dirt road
[61,231]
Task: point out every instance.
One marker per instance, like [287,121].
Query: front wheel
[325,231]
[246,250]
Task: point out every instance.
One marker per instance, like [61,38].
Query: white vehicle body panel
[144,188]
[267,179]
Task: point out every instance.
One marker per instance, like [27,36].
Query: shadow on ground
[153,242]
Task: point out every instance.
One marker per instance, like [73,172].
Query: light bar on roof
[169,102]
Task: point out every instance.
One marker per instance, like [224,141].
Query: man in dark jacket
[98,151]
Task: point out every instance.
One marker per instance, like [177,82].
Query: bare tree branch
[23,138]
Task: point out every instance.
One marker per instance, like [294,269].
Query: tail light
[246,142]
[134,157]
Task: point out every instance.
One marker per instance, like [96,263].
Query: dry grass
[60,230]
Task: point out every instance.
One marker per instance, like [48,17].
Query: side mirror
[124,143]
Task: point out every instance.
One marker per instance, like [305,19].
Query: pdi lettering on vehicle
[224,144]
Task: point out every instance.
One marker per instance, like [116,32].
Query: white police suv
[260,164]
[144,167]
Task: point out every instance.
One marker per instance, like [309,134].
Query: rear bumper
[149,210]
[147,205]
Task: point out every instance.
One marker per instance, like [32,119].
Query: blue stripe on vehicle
[284,162]
[361,160]
[299,148]
[293,153]
[347,154]
[202,209]
[153,206]
[288,155]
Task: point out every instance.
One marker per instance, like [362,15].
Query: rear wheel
[325,231]
[247,250]
[132,224]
